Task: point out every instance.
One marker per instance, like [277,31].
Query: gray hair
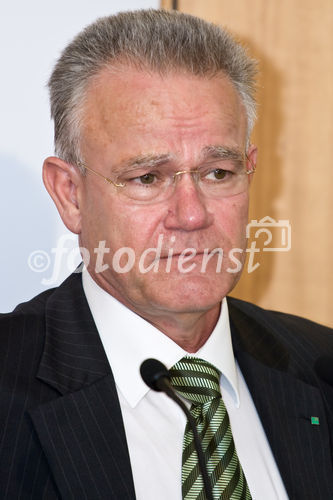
[156,40]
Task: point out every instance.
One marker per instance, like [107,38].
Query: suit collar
[251,337]
[73,354]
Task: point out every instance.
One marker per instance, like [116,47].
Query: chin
[190,293]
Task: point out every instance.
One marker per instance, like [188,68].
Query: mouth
[183,253]
[190,255]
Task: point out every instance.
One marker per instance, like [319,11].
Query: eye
[145,179]
[218,174]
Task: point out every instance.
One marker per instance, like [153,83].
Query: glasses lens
[223,178]
[145,186]
[216,179]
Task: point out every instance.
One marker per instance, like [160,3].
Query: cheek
[232,215]
[129,226]
[96,219]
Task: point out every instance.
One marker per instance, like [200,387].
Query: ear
[251,162]
[63,182]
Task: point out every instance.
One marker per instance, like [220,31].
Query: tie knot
[196,380]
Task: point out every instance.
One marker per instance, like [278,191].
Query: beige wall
[293,41]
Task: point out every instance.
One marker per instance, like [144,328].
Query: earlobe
[63,182]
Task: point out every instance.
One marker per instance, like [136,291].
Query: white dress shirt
[154,424]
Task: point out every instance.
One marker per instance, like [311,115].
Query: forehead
[142,111]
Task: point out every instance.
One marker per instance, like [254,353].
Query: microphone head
[152,371]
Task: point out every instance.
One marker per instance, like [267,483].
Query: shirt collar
[127,336]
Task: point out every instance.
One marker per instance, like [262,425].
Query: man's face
[131,116]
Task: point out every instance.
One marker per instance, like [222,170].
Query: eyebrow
[156,160]
[149,161]
[223,153]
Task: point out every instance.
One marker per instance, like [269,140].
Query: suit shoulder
[287,326]
[22,326]
[32,307]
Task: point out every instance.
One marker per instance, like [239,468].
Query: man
[153,113]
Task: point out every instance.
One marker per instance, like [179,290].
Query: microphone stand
[164,385]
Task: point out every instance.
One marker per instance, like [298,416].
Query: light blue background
[32,35]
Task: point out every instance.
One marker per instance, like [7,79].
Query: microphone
[155,374]
[324,369]
[157,377]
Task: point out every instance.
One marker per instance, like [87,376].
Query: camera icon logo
[278,233]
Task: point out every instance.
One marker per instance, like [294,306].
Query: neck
[189,329]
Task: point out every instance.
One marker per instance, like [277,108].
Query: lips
[185,252]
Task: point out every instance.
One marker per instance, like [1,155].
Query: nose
[187,208]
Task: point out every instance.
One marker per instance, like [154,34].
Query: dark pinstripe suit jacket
[61,430]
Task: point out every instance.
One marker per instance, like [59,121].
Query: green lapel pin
[315,420]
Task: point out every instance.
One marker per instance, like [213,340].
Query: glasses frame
[174,176]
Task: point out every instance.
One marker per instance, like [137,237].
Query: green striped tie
[198,381]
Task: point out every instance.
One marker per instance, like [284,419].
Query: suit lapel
[81,431]
[285,404]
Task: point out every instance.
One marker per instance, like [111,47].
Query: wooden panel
[169,4]
[293,40]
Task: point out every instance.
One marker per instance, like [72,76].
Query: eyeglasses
[215,179]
